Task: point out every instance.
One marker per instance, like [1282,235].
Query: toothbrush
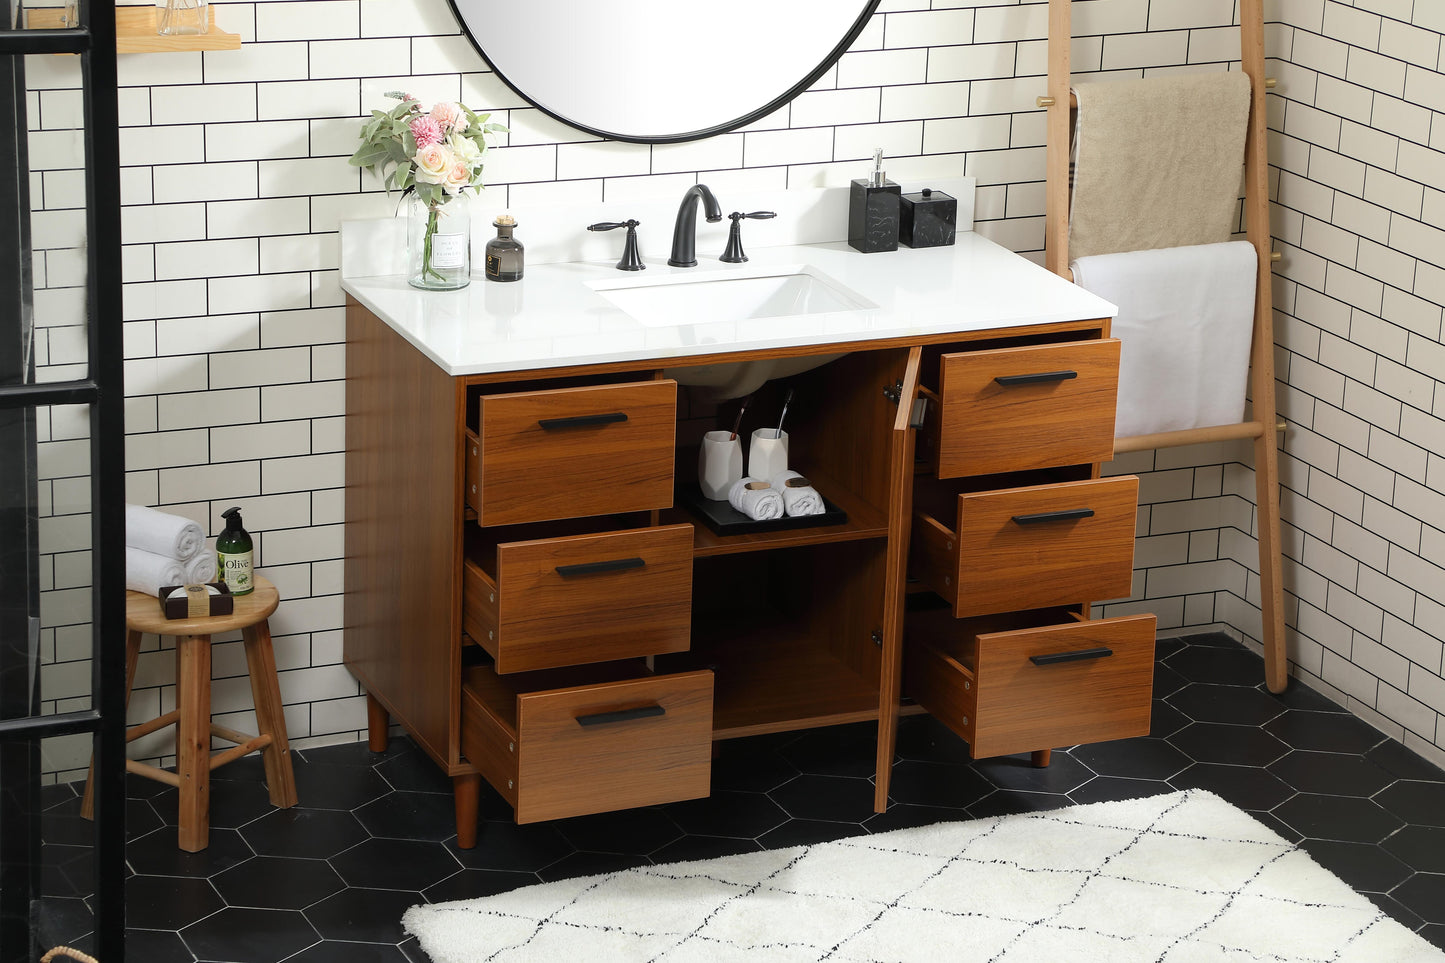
[738,421]
[787,399]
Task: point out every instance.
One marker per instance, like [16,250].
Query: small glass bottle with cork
[504,252]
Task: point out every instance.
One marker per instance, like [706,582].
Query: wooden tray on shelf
[723,519]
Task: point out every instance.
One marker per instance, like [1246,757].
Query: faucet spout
[684,231]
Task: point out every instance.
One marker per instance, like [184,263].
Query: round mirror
[659,71]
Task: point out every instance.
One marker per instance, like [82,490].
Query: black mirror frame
[863,17]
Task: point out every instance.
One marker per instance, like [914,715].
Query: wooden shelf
[135,29]
[774,678]
[864,521]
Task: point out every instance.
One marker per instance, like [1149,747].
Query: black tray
[723,519]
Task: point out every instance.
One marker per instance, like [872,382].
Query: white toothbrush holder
[768,454]
[719,464]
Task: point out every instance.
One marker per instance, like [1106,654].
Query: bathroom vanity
[527,597]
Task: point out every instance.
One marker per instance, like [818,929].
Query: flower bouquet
[435,158]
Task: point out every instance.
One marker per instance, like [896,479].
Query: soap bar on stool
[928,219]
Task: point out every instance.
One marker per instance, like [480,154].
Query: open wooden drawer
[559,744]
[576,599]
[1031,681]
[1022,408]
[572,452]
[1028,548]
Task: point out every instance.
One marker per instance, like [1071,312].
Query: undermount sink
[675,299]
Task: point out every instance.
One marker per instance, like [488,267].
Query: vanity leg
[467,793]
[1041,758]
[377,722]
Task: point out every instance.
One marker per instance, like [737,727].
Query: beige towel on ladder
[1158,162]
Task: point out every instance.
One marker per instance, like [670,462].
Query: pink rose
[432,164]
[449,115]
[426,131]
[458,176]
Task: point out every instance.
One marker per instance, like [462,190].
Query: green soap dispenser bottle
[233,554]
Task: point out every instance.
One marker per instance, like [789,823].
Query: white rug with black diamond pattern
[1180,878]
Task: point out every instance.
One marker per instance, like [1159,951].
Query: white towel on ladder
[1186,317]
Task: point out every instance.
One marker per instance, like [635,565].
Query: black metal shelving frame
[21,728]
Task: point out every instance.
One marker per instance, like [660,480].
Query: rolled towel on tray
[161,533]
[147,572]
[756,499]
[799,497]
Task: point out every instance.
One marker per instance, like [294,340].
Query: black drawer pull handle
[596,568]
[1065,515]
[582,421]
[1078,655]
[1040,377]
[621,715]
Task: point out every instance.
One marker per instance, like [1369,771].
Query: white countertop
[554,318]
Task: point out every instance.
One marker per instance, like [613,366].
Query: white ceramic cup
[719,464]
[768,455]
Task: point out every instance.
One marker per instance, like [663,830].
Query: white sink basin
[679,299]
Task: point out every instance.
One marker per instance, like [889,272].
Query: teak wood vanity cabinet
[523,597]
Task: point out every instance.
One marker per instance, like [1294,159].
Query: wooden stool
[192,715]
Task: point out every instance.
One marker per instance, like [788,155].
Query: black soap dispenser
[873,207]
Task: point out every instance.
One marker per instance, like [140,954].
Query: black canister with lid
[927,219]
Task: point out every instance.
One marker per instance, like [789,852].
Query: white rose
[457,177]
[432,163]
[466,149]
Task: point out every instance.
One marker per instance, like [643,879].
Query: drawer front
[596,748]
[1040,688]
[1016,409]
[1029,548]
[573,452]
[587,598]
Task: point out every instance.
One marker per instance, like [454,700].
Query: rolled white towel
[799,497]
[161,533]
[201,569]
[147,572]
[756,499]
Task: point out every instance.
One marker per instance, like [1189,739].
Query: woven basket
[71,952]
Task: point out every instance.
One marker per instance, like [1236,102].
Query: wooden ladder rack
[1264,426]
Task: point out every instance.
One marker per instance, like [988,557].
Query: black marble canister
[928,219]
[873,216]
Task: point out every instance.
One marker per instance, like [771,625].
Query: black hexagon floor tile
[1423,894]
[1228,745]
[751,765]
[157,946]
[394,864]
[634,832]
[693,847]
[507,846]
[744,815]
[1223,665]
[925,739]
[249,935]
[320,786]
[1300,696]
[1113,788]
[1167,681]
[1340,818]
[1404,763]
[1332,773]
[1242,786]
[1421,803]
[1144,758]
[278,882]
[363,915]
[1363,865]
[410,815]
[168,902]
[937,784]
[906,816]
[307,833]
[1165,720]
[1325,731]
[233,803]
[843,799]
[1234,704]
[806,832]
[591,864]
[155,854]
[414,772]
[335,951]
[1063,774]
[835,751]
[1434,934]
[1008,802]
[473,883]
[1422,847]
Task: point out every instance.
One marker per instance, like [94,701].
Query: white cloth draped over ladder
[1158,165]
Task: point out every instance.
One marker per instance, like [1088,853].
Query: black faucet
[684,232]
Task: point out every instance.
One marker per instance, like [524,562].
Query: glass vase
[438,244]
[176,18]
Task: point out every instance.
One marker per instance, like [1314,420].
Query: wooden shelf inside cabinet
[864,521]
[135,31]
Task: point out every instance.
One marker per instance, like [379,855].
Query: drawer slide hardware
[1078,655]
[621,715]
[597,568]
[582,421]
[1064,515]
[1036,378]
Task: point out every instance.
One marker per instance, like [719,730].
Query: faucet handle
[734,252]
[630,259]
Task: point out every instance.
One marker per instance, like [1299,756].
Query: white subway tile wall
[235,182]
